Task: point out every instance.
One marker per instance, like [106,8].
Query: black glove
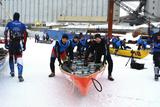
[24,47]
[104,62]
[60,63]
[6,46]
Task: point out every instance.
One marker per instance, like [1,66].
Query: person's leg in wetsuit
[11,64]
[156,59]
[52,66]
[110,66]
[52,63]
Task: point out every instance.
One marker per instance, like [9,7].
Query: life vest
[156,44]
[140,42]
[62,46]
[114,40]
[73,44]
[83,42]
[118,43]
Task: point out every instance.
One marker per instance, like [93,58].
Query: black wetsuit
[100,49]
[156,49]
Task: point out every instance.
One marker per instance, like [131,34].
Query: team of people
[95,46]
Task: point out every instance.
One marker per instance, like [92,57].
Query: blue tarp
[57,35]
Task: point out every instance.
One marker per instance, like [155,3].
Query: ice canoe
[83,77]
[128,53]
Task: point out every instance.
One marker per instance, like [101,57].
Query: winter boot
[52,75]
[156,72]
[12,74]
[20,78]
[110,78]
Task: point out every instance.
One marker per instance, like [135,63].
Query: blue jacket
[83,42]
[17,36]
[17,28]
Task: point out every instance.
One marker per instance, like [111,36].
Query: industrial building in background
[90,11]
[42,11]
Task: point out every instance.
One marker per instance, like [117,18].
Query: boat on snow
[83,77]
[140,54]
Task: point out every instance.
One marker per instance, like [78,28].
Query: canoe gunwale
[83,83]
[85,76]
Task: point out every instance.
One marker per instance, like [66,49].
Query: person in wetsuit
[15,41]
[59,51]
[101,48]
[156,53]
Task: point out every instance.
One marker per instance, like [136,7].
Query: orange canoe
[83,82]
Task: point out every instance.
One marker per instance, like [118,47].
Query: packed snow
[131,88]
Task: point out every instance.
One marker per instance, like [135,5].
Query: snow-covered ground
[131,88]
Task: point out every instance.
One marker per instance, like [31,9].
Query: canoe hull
[127,53]
[83,83]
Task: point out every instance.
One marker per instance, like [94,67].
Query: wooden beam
[110,17]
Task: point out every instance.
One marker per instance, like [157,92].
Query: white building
[50,10]
[153,7]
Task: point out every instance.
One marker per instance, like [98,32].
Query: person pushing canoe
[100,49]
[59,51]
[73,43]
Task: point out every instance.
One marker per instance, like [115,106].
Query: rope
[94,83]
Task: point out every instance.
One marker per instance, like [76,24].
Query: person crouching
[59,51]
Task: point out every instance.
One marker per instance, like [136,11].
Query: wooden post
[110,17]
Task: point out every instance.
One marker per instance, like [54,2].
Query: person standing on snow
[59,51]
[156,54]
[15,41]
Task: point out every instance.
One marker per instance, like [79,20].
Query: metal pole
[149,27]
[110,17]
